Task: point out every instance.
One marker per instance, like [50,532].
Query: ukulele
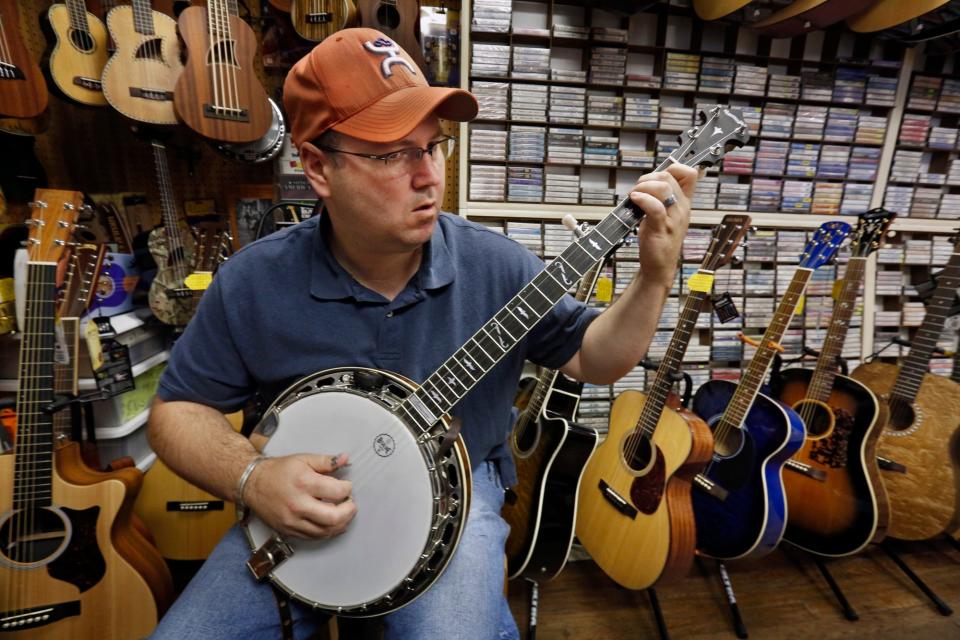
[740,504]
[139,78]
[23,91]
[314,20]
[80,53]
[636,517]
[837,501]
[921,430]
[399,20]
[174,252]
[218,95]
[549,452]
[64,529]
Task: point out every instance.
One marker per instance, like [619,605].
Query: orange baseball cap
[361,83]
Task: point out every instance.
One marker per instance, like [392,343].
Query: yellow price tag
[837,289]
[92,336]
[800,303]
[604,289]
[702,282]
[198,280]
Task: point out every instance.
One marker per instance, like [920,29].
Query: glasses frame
[385,157]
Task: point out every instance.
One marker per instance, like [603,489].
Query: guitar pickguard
[646,491]
[81,564]
[833,450]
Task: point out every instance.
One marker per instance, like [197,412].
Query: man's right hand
[296,495]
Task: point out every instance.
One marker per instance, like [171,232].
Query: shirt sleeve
[205,365]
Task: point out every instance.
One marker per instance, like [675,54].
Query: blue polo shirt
[283,308]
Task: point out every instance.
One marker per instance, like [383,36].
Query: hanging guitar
[174,251]
[399,20]
[80,53]
[740,504]
[139,78]
[549,451]
[218,95]
[636,518]
[23,91]
[921,431]
[62,527]
[837,501]
[402,448]
[314,20]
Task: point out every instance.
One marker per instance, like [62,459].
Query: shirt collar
[330,281]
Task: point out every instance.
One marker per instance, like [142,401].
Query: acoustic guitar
[803,16]
[740,503]
[218,95]
[549,451]
[63,528]
[921,431]
[314,20]
[837,501]
[139,78]
[23,91]
[80,53]
[399,20]
[174,250]
[636,518]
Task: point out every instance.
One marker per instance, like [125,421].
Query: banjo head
[260,150]
[411,501]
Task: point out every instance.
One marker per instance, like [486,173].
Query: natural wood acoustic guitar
[23,90]
[315,20]
[80,53]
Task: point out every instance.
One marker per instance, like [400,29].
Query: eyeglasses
[405,160]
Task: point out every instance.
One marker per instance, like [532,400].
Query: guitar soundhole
[817,418]
[637,451]
[33,535]
[388,16]
[727,443]
[902,415]
[82,40]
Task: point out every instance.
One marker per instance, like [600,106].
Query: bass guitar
[636,518]
[314,20]
[63,528]
[139,78]
[740,504]
[837,501]
[80,53]
[404,454]
[218,95]
[399,20]
[174,251]
[921,430]
[549,451]
[23,91]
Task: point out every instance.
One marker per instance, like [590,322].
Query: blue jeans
[467,602]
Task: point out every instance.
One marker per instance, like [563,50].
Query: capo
[753,342]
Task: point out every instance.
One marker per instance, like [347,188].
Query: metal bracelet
[241,505]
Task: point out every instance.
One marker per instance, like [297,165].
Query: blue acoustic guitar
[739,503]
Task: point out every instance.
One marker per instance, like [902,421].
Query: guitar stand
[658,614]
[848,611]
[534,604]
[940,605]
[738,626]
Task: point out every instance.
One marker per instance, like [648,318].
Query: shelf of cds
[576,102]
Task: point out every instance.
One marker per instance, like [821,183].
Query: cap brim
[400,112]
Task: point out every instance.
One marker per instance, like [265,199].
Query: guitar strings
[6,54]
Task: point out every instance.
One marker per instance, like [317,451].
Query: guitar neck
[171,221]
[218,18]
[143,17]
[753,377]
[34,446]
[77,11]
[821,382]
[925,341]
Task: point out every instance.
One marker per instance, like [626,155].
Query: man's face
[391,207]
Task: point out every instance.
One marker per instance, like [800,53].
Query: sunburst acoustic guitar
[921,432]
[636,517]
[837,502]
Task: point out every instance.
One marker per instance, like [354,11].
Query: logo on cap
[388,48]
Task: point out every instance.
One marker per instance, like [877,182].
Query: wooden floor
[780,596]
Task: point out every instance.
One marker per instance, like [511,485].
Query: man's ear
[316,167]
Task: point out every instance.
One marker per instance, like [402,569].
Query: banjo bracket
[268,557]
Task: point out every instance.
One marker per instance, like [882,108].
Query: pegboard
[95,149]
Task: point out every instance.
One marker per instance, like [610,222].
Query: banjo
[408,464]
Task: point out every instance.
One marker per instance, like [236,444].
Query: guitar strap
[283,608]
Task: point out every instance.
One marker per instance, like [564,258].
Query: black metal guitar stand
[738,625]
[534,605]
[940,605]
[848,611]
[658,614]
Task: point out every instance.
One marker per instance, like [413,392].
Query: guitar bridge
[226,113]
[710,487]
[198,505]
[806,470]
[32,618]
[319,18]
[618,502]
[88,83]
[268,557]
[890,465]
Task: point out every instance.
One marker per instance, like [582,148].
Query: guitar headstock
[869,232]
[52,223]
[86,262]
[823,246]
[721,130]
[727,236]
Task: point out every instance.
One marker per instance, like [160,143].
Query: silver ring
[670,201]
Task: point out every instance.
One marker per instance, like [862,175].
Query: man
[382,279]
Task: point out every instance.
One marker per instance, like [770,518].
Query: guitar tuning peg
[38,204]
[579,229]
